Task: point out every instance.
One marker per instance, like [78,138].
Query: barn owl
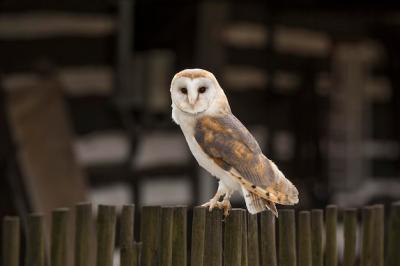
[224,147]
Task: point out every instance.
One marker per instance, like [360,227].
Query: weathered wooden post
[126,235]
[331,241]
[106,221]
[287,238]
[304,236]
[244,238]
[179,237]
[253,255]
[350,236]
[83,236]
[233,238]
[198,236]
[11,241]
[35,247]
[213,238]
[150,228]
[317,236]
[137,253]
[267,238]
[167,223]
[58,250]
[393,255]
[367,245]
[379,235]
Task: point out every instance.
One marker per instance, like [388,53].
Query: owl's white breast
[187,124]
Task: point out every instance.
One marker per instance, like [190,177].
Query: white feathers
[254,203]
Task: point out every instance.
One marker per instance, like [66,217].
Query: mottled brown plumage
[230,144]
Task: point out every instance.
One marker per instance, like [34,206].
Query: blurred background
[85,108]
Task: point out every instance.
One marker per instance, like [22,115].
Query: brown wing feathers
[234,149]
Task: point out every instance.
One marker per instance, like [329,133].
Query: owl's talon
[226,206]
[212,204]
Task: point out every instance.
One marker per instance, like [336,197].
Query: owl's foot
[212,203]
[226,206]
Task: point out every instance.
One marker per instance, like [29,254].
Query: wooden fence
[240,239]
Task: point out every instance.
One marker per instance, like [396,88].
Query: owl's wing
[226,141]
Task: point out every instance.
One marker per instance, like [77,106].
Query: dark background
[318,85]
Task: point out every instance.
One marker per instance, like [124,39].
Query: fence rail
[240,239]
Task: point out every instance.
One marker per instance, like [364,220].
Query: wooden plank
[368,243]
[267,238]
[106,222]
[35,247]
[150,235]
[331,239]
[350,237]
[317,235]
[83,230]
[244,239]
[179,237]
[167,226]
[213,238]
[393,254]
[379,235]
[287,238]
[253,254]
[10,241]
[137,253]
[127,235]
[198,236]
[304,236]
[233,238]
[58,250]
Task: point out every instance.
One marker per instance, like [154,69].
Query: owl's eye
[184,90]
[202,89]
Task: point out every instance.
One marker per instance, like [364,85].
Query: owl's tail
[280,191]
[255,204]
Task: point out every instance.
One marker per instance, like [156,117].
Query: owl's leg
[226,204]
[214,201]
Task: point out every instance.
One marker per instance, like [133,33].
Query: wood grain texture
[267,239]
[287,238]
[11,239]
[350,236]
[198,236]
[317,237]
[331,257]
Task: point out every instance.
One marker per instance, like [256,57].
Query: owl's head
[196,91]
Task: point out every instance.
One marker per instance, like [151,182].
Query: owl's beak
[192,99]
